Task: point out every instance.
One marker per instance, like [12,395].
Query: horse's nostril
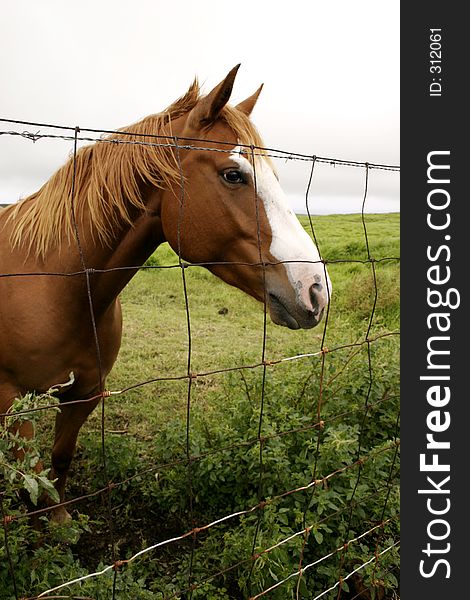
[315,290]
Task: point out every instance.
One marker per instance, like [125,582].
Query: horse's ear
[248,105]
[208,108]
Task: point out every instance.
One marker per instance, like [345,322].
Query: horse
[194,176]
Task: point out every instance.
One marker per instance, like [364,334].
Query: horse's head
[230,211]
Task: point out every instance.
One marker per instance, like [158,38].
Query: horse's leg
[68,423]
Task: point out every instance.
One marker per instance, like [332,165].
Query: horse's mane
[108,179]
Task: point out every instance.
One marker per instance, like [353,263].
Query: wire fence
[297,517]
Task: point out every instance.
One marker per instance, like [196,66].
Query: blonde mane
[109,177]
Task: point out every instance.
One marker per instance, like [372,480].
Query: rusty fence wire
[379,534]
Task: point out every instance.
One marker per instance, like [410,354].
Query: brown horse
[125,195]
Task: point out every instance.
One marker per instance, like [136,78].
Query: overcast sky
[330,69]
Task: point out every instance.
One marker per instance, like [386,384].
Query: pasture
[249,438]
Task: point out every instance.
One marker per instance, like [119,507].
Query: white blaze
[290,241]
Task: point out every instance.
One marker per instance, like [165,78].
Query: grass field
[353,392]
[155,342]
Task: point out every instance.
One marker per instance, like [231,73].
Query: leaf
[273,575]
[31,484]
[318,536]
[34,461]
[47,485]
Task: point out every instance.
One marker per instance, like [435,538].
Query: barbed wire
[117,564]
[170,143]
[301,571]
[197,375]
[262,439]
[193,459]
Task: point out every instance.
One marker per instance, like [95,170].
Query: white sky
[330,69]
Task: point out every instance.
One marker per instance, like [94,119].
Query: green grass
[155,338]
[147,427]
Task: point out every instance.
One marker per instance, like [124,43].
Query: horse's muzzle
[294,315]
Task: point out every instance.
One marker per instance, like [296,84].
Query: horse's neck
[129,250]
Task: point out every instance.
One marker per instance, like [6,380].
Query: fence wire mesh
[283,548]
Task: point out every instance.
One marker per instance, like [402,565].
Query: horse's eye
[233,176]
